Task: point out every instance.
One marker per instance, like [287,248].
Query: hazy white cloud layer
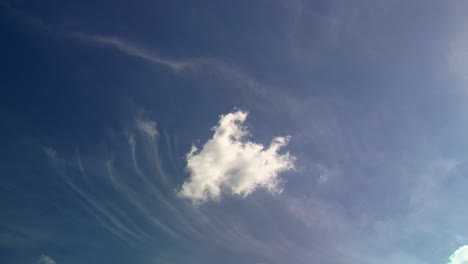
[230,163]
[460,256]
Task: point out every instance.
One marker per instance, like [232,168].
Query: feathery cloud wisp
[229,162]
[132,50]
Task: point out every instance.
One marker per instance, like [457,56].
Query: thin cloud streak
[226,71]
[149,184]
[133,50]
[115,219]
[112,222]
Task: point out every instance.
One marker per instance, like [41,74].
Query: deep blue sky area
[256,132]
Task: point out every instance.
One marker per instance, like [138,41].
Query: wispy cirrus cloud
[228,72]
[230,163]
[222,69]
[136,222]
[133,50]
[106,216]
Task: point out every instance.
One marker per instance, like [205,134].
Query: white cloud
[460,256]
[44,259]
[230,163]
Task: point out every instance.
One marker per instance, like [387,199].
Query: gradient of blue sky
[371,93]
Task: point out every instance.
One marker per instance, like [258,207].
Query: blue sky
[260,132]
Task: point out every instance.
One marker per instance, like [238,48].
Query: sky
[253,132]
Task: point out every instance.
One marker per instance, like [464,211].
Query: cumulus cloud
[44,259]
[460,256]
[230,163]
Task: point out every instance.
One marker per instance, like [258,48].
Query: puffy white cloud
[460,256]
[44,259]
[230,163]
